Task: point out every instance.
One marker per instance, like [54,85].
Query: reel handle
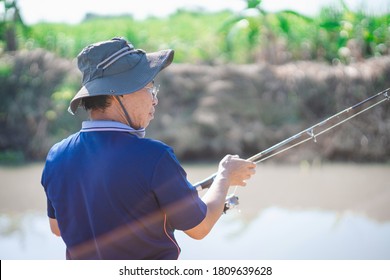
[230,202]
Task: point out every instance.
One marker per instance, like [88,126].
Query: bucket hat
[115,67]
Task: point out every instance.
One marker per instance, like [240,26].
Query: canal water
[288,212]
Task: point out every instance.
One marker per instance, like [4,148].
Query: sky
[73,11]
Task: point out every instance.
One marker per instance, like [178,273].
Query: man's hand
[236,170]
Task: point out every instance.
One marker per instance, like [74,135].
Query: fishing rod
[305,135]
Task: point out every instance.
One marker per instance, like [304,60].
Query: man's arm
[54,227]
[232,171]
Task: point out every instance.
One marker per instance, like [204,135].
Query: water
[303,235]
[285,212]
[27,237]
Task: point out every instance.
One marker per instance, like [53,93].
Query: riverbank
[207,111]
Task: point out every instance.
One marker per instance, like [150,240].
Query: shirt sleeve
[175,195]
[50,210]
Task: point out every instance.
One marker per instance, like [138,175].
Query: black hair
[99,102]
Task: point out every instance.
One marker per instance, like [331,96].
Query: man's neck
[105,115]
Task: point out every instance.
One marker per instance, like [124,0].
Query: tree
[258,25]
[10,19]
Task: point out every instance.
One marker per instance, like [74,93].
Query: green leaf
[330,25]
[253,3]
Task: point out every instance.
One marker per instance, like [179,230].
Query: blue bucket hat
[115,67]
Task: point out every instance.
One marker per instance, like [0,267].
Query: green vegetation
[337,34]
[191,34]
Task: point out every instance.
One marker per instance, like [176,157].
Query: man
[113,194]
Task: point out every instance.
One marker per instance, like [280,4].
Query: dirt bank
[208,111]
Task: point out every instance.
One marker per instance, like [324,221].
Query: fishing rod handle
[206,183]
[231,201]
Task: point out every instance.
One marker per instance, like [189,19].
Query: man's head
[115,68]
[136,109]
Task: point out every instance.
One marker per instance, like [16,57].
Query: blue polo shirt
[118,196]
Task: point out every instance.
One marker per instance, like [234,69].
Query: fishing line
[313,136]
[310,130]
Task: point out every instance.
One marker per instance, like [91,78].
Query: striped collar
[89,126]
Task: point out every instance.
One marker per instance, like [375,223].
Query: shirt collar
[88,126]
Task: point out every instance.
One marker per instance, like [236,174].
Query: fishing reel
[231,202]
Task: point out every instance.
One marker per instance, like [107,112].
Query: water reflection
[27,236]
[282,234]
[275,234]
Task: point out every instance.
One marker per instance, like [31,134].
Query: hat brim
[126,82]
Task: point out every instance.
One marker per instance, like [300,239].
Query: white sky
[73,11]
